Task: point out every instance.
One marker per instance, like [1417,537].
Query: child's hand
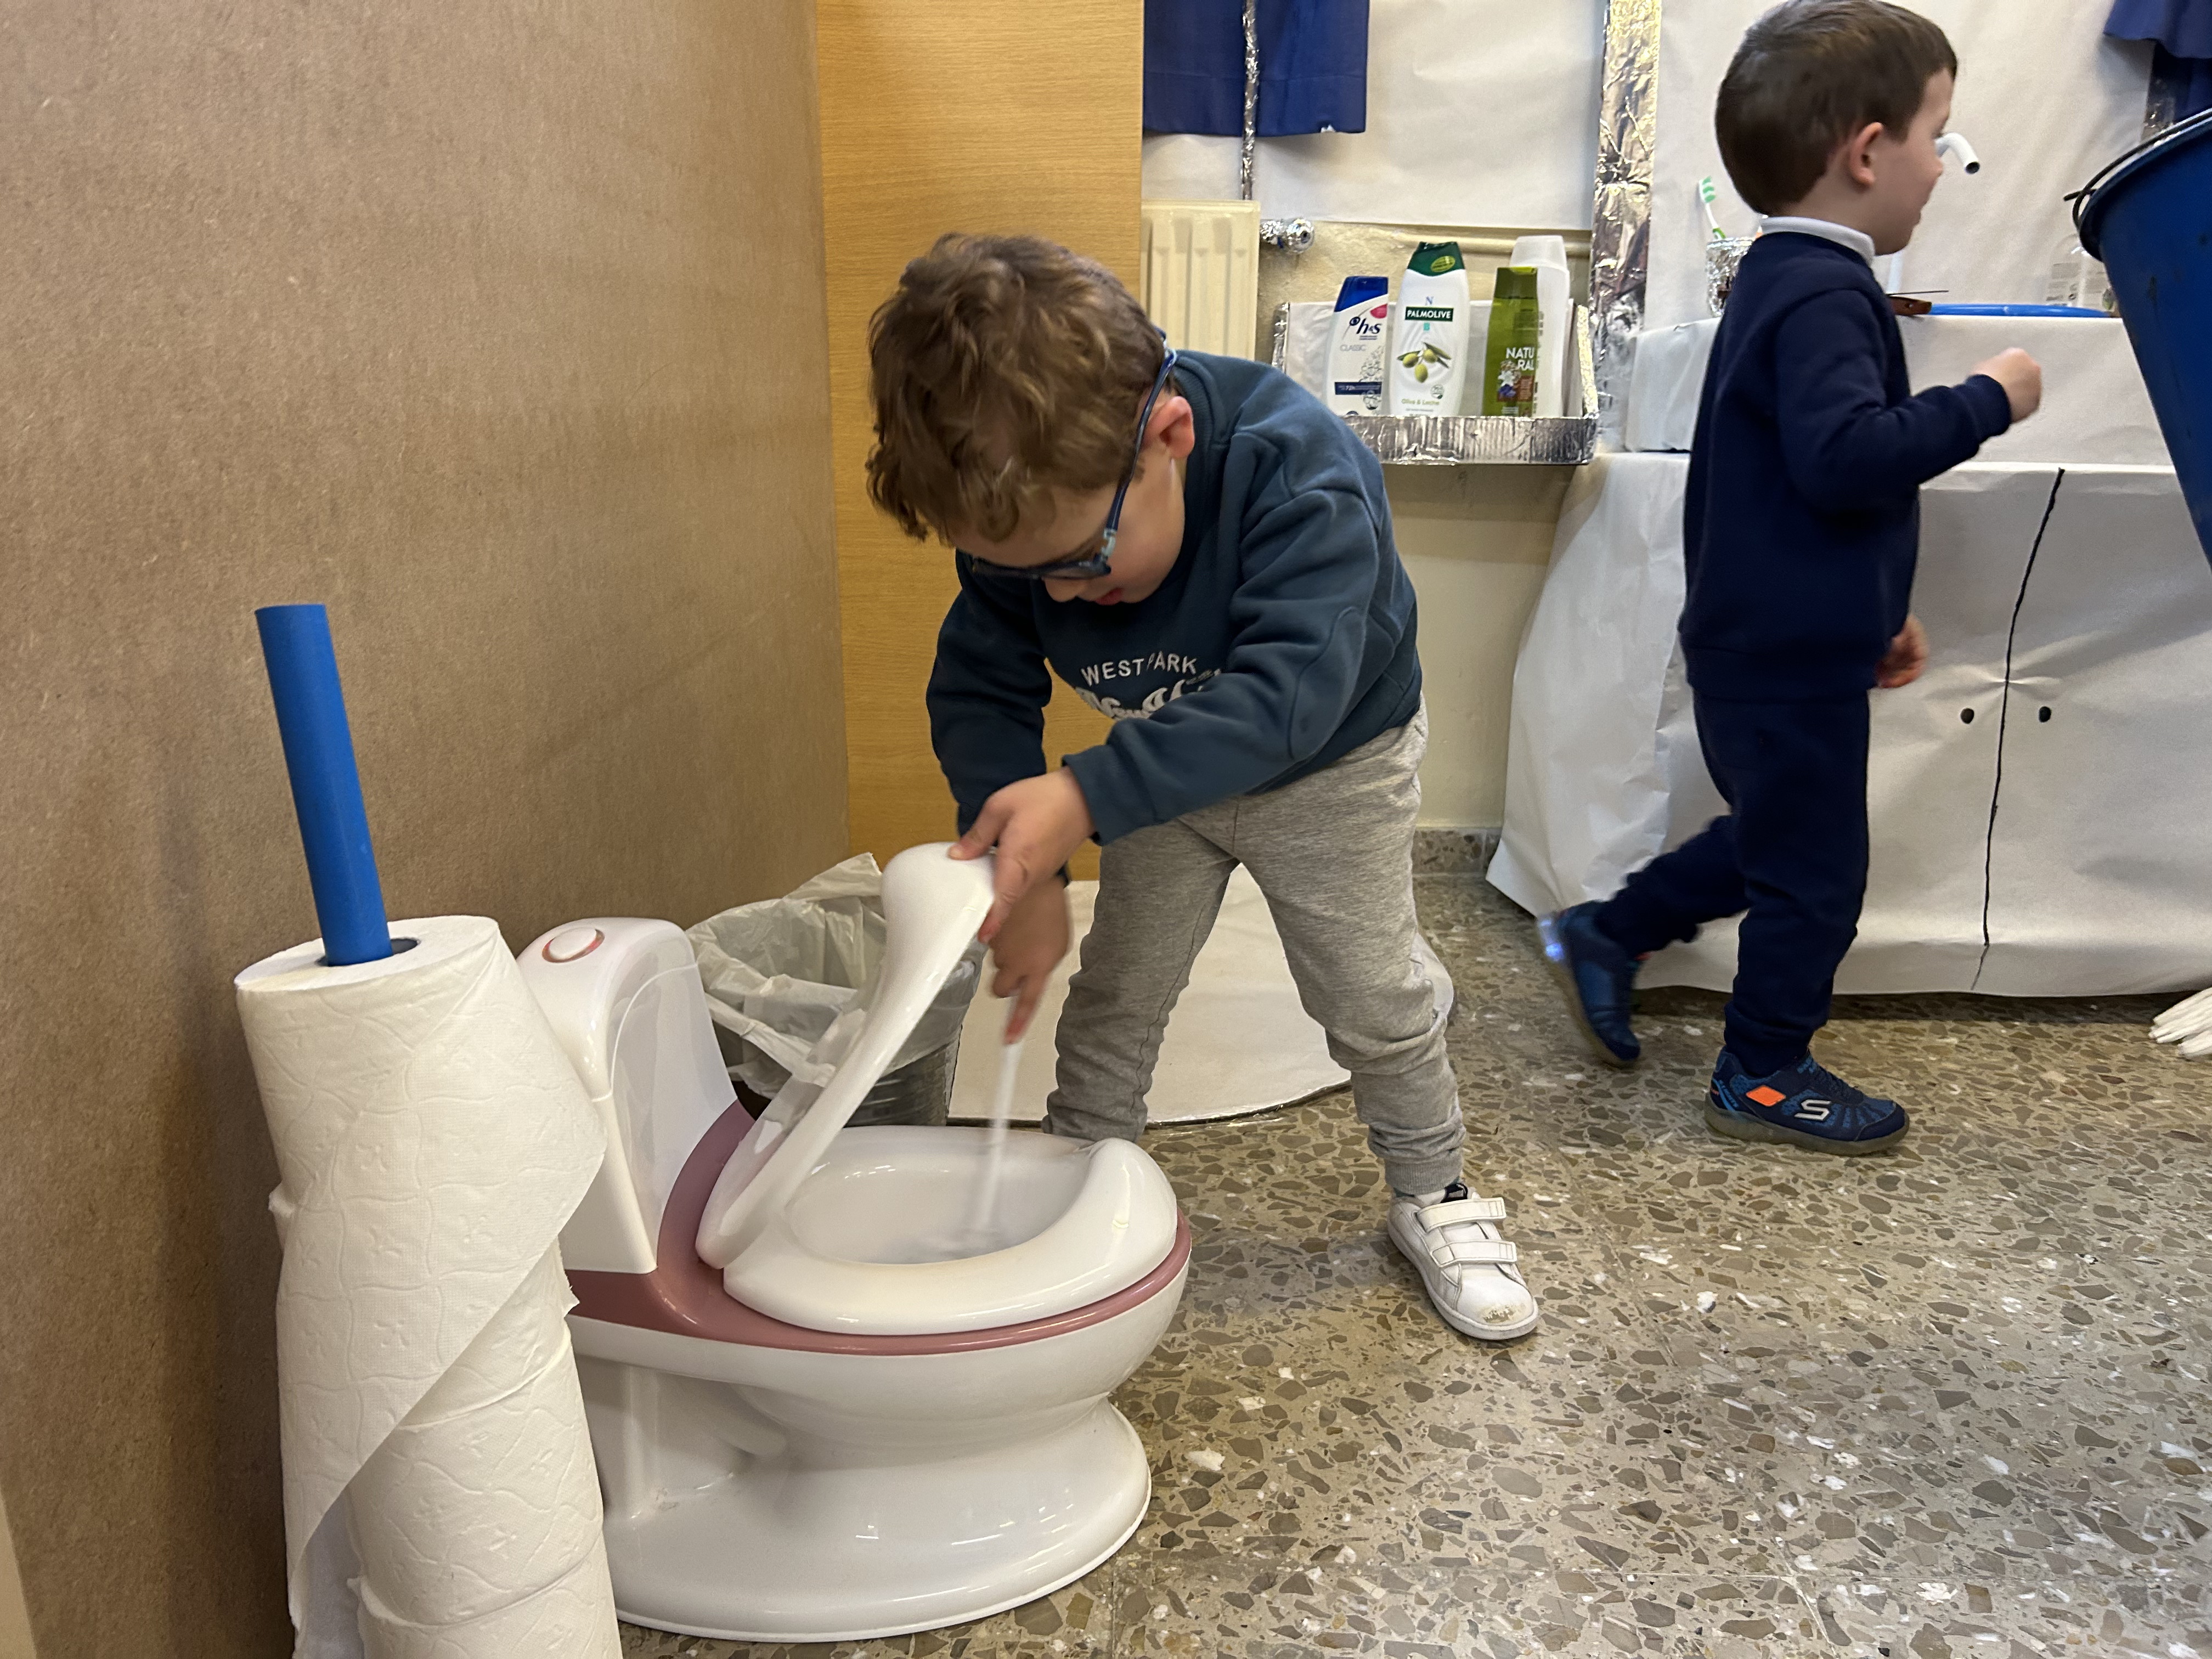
[1034,824]
[1027,948]
[2020,376]
[1908,653]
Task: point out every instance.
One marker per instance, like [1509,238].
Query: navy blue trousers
[1791,856]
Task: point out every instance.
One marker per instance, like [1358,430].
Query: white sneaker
[1466,1264]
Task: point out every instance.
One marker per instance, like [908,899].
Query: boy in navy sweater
[1203,551]
[1801,530]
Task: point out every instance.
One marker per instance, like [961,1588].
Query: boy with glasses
[1204,552]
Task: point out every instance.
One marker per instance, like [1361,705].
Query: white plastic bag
[778,972]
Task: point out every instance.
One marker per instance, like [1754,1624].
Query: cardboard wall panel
[499,329]
[958,116]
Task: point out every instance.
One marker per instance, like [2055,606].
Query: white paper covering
[2096,410]
[2046,98]
[2085,871]
[1479,112]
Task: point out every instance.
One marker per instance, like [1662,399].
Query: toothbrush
[1706,194]
[981,1221]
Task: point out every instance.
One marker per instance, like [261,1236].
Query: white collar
[1842,236]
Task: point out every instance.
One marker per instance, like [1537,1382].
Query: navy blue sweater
[1281,639]
[1801,523]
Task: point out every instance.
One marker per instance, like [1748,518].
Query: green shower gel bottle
[1509,383]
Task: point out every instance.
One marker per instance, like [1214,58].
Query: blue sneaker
[1599,978]
[1802,1105]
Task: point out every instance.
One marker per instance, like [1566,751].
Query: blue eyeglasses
[1098,563]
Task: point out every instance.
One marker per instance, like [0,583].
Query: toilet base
[780,1551]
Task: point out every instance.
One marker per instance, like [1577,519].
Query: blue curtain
[2183,30]
[1313,66]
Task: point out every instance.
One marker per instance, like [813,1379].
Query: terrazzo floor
[1948,1401]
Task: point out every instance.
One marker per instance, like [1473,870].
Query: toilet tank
[623,995]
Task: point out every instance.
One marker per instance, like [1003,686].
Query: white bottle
[1554,312]
[1428,357]
[1358,334]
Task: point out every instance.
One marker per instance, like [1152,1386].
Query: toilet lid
[933,905]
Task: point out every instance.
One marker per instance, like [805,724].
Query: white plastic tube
[983,1222]
[1954,143]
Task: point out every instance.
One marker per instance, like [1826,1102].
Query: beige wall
[499,328]
[961,115]
[1477,541]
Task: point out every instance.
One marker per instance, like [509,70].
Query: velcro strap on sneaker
[1463,1209]
[1495,1252]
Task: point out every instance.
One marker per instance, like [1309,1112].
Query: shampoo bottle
[1548,254]
[1509,383]
[1428,356]
[1358,334]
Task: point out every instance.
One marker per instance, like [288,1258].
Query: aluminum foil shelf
[1478,440]
[1481,439]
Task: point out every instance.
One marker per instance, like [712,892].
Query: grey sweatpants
[1333,852]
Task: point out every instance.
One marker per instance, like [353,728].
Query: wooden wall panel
[498,328]
[963,115]
[15,1616]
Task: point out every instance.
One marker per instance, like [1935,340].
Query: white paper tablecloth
[2096,410]
[2013,853]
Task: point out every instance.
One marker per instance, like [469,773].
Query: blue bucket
[2149,217]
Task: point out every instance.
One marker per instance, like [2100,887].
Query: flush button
[573,942]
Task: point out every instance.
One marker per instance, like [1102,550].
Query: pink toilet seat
[685,1297]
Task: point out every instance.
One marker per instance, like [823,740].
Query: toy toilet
[869,1421]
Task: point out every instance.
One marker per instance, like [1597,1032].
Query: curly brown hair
[1004,368]
[1809,74]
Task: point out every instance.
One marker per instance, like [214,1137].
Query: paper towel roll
[487,1490]
[546,1626]
[433,1140]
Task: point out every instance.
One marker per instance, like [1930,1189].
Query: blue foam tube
[311,717]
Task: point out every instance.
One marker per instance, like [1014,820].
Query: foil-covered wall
[1251,142]
[1620,213]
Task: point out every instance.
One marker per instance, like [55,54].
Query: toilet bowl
[871,1421]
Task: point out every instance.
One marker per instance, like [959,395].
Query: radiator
[1201,274]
